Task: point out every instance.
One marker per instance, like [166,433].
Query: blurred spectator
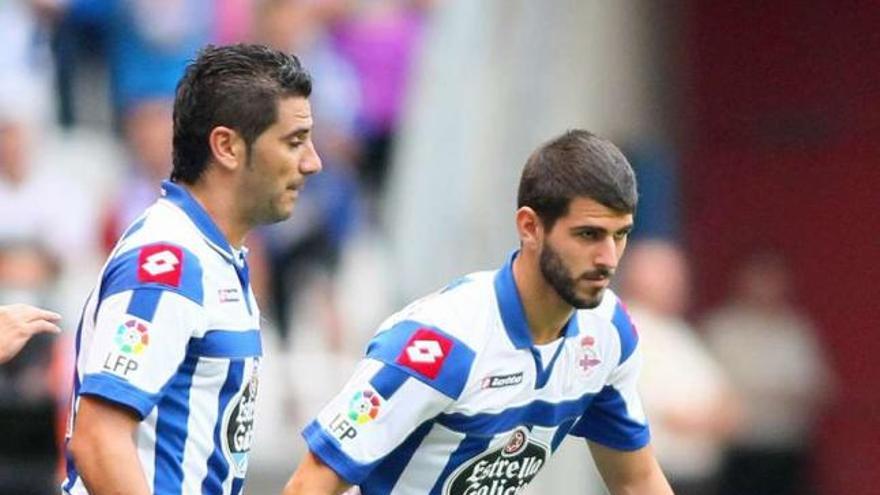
[146,44]
[685,394]
[147,129]
[380,38]
[328,209]
[42,233]
[769,349]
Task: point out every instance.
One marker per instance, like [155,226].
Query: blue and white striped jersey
[453,398]
[172,332]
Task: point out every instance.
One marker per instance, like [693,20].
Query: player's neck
[220,204]
[546,313]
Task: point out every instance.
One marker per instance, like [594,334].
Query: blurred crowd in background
[424,111]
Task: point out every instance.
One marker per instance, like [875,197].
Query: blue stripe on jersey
[121,275]
[184,200]
[468,448]
[328,450]
[172,430]
[134,227]
[218,466]
[387,380]
[607,422]
[237,485]
[388,345]
[627,331]
[227,344]
[118,391]
[71,466]
[560,434]
[382,480]
[538,413]
[144,302]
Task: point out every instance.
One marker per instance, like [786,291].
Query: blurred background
[751,126]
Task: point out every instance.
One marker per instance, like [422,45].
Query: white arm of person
[18,323]
[104,450]
[630,473]
[313,477]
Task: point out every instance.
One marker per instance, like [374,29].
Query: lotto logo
[425,352]
[160,263]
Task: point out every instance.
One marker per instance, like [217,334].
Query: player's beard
[559,277]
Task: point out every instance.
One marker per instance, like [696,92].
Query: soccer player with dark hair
[169,344]
[471,389]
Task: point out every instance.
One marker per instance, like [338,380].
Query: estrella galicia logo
[506,470]
[499,381]
[239,426]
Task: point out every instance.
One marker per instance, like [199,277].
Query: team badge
[589,357]
[425,352]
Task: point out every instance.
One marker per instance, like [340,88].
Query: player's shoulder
[158,250]
[611,315]
[433,338]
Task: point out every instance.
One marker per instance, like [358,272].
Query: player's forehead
[585,211]
[294,116]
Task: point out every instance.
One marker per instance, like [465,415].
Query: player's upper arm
[411,373]
[630,473]
[615,417]
[150,303]
[314,477]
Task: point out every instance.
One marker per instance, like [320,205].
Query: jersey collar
[184,200]
[513,315]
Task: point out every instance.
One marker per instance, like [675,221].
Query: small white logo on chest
[229,295]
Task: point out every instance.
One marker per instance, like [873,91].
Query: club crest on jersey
[589,357]
[160,263]
[505,470]
[425,352]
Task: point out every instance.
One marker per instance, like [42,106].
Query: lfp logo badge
[132,337]
[364,406]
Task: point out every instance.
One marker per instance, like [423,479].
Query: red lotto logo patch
[425,352]
[160,263]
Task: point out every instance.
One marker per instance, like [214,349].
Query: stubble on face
[564,283]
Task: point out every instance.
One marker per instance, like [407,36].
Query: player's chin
[590,300]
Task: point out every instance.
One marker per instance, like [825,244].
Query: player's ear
[228,148]
[529,227]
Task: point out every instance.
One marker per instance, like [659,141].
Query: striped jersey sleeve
[615,418]
[410,374]
[150,303]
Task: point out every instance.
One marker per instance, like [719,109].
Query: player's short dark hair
[236,86]
[577,163]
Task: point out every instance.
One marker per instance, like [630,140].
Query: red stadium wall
[781,148]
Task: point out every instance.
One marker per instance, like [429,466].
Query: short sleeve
[150,305]
[411,373]
[615,417]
